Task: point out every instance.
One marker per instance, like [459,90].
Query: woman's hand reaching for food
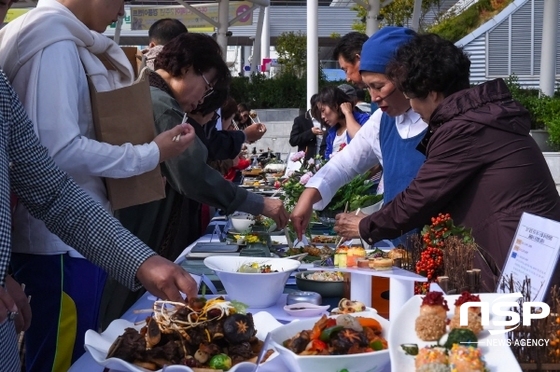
[301,215]
[274,208]
[165,279]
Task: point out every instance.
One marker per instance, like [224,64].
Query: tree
[397,13]
[292,53]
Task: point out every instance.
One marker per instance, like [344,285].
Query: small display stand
[401,284]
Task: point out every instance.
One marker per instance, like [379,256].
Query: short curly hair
[429,63]
[199,51]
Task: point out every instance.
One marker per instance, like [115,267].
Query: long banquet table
[401,285]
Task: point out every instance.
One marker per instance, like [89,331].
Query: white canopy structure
[262,35]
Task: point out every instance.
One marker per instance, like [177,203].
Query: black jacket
[223,144]
[302,135]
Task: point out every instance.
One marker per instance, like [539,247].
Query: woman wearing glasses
[389,137]
[188,69]
[190,75]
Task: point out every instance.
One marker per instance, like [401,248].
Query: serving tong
[262,353]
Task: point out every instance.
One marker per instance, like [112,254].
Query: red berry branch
[431,262]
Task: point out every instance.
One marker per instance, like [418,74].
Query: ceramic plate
[98,344]
[498,358]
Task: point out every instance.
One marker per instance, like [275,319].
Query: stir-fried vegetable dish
[337,336]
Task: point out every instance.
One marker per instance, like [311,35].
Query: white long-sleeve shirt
[360,155]
[51,82]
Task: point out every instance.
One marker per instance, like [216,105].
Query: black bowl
[324,288]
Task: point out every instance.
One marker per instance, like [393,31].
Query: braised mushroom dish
[345,334]
[200,333]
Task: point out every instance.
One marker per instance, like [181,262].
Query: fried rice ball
[430,327]
[474,322]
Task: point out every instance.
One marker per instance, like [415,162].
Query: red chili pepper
[318,345]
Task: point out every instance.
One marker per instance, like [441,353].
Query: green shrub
[544,110]
[281,91]
[455,27]
[553,126]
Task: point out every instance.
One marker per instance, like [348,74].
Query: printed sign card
[533,253]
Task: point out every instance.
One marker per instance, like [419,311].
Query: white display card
[533,253]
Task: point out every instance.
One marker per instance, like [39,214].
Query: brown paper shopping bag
[123,116]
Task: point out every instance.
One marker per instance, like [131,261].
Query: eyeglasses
[209,87]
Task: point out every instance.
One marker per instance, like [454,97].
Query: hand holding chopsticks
[174,141]
[347,225]
[177,138]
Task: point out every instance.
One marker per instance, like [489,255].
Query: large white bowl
[365,362]
[256,290]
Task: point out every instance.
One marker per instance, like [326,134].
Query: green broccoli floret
[461,336]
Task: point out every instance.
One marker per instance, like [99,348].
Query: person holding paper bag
[48,54]
[482,166]
[182,65]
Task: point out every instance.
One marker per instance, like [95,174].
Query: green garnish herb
[240,307]
[410,349]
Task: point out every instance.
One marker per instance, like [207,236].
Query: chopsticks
[253,115]
[177,138]
[342,238]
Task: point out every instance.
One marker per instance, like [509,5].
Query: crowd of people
[442,145]
[62,241]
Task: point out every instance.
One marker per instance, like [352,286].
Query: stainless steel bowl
[302,296]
